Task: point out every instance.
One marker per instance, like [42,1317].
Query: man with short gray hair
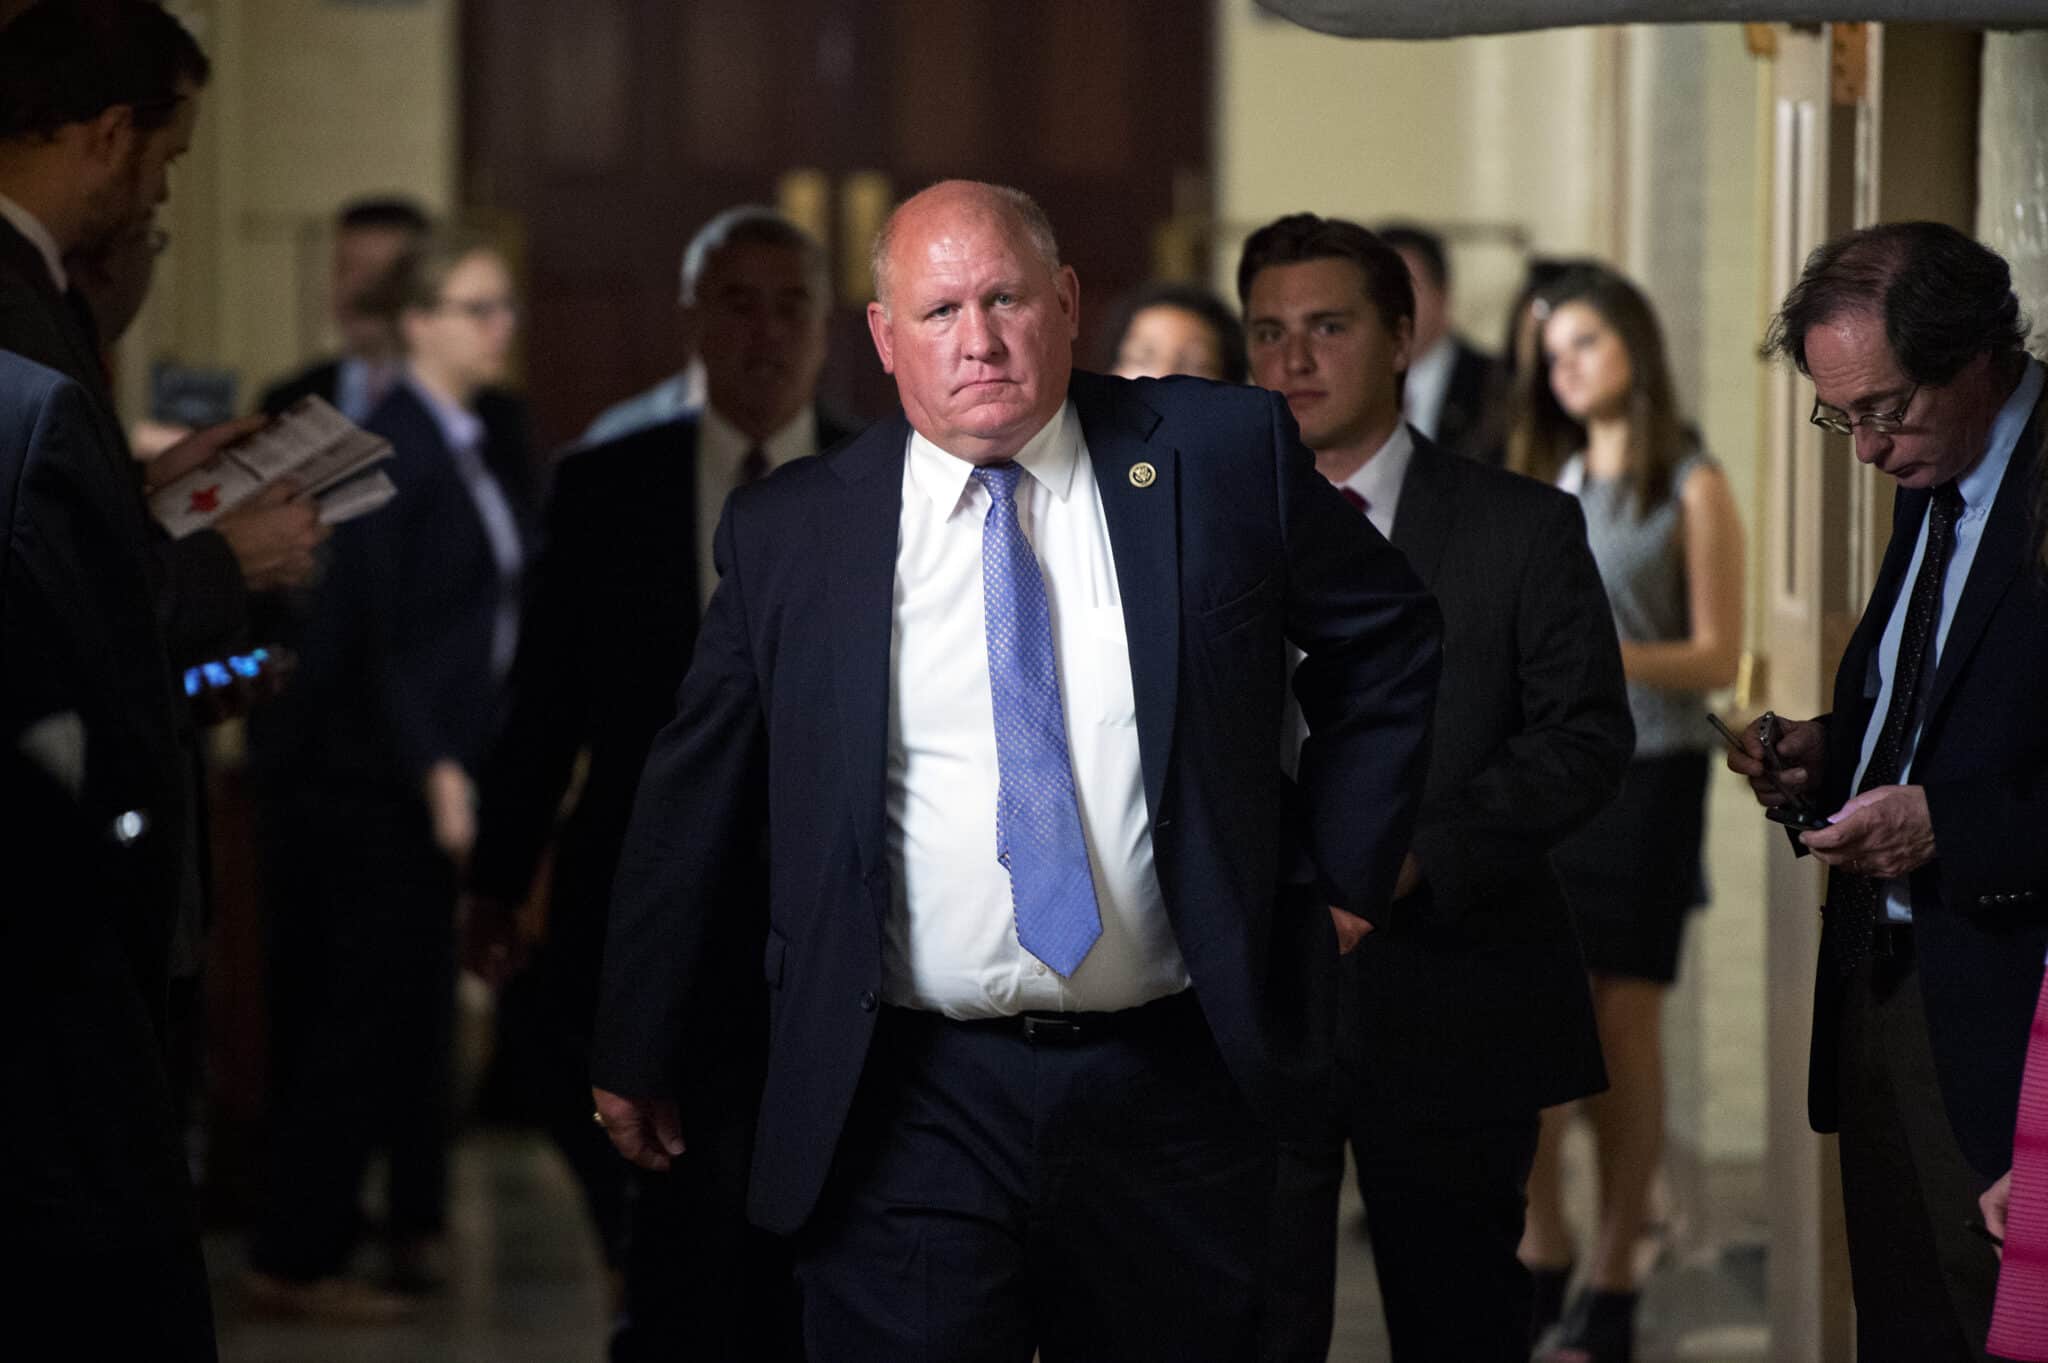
[612,611]
[1925,790]
[1049,952]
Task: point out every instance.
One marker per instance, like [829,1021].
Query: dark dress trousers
[93,1190]
[1467,1011]
[609,623]
[1227,546]
[396,674]
[1972,971]
[1468,421]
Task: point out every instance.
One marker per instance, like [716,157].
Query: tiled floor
[527,1287]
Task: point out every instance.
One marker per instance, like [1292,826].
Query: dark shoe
[1546,1299]
[329,1301]
[419,1265]
[1600,1327]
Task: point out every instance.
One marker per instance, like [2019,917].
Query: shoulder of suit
[1516,495]
[646,449]
[319,377]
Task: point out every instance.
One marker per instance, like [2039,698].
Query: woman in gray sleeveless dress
[1598,419]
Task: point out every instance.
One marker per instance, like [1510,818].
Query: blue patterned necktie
[1038,821]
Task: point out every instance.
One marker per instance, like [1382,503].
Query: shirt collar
[1049,457]
[1438,357]
[1378,479]
[1980,485]
[462,429]
[30,226]
[725,445]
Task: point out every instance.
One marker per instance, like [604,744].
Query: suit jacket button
[867,1000]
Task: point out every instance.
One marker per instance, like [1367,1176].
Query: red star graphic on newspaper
[205,500]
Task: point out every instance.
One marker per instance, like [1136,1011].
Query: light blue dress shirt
[1980,489]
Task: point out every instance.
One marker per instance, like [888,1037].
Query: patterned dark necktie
[1038,819]
[755,465]
[1855,902]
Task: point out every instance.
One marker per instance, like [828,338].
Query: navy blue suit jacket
[85,920]
[1235,547]
[1980,908]
[396,666]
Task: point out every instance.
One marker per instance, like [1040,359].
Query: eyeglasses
[1881,423]
[480,310]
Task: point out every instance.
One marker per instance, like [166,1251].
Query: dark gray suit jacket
[1470,1003]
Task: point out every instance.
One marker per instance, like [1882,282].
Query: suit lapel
[858,535]
[67,321]
[1999,556]
[1426,509]
[1144,539]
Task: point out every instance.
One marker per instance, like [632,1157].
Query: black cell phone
[1797,816]
[1727,734]
[1796,812]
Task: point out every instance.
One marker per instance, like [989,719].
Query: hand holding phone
[1764,768]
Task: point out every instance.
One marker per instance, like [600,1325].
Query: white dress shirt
[360,385]
[1379,479]
[721,448]
[30,226]
[1429,379]
[1979,488]
[951,944]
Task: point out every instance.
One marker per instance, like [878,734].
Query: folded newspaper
[324,453]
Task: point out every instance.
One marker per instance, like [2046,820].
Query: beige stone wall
[311,102]
[1487,136]
[2012,165]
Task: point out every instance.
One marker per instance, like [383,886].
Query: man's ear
[107,136]
[1070,300]
[878,328]
[1404,344]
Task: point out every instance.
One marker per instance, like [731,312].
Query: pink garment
[2019,1319]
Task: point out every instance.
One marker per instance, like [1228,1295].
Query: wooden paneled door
[601,134]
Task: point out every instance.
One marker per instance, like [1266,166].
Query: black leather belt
[1073,1029]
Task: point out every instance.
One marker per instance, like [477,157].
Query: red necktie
[1352,496]
[2019,1320]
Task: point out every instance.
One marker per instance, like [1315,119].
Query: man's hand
[493,947]
[1351,930]
[182,456]
[451,804]
[273,536]
[1802,752]
[647,1131]
[1884,832]
[1993,1202]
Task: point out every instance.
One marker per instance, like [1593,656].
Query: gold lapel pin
[1143,474]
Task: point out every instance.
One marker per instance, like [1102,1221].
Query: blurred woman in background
[1596,416]
[410,638]
[1167,329]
